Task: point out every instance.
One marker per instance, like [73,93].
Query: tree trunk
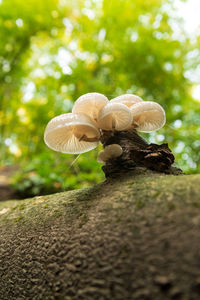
[132,237]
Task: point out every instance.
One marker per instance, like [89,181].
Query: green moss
[14,208]
[58,214]
[171,205]
[18,219]
[140,204]
[196,204]
[130,183]
[118,220]
[46,205]
[83,220]
[21,207]
[131,191]
[155,194]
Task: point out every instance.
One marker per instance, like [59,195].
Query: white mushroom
[148,116]
[127,99]
[71,133]
[115,116]
[90,104]
[110,152]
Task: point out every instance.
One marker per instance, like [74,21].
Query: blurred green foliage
[53,51]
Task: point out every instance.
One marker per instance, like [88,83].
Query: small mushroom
[127,99]
[115,116]
[71,133]
[148,116]
[90,104]
[110,152]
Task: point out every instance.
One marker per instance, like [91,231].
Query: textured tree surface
[135,237]
[137,153]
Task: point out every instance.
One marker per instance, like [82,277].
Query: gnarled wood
[136,153]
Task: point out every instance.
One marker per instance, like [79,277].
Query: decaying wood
[136,153]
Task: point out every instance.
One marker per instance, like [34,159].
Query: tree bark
[136,153]
[132,237]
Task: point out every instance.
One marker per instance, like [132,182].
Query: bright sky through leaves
[190,12]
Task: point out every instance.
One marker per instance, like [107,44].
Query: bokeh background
[53,51]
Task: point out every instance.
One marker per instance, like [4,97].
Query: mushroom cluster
[93,114]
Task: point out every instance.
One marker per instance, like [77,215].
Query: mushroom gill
[71,133]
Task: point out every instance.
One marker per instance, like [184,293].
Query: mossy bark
[133,237]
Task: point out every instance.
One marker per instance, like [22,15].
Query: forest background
[53,51]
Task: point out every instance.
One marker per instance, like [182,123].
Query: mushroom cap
[127,99]
[101,157]
[149,116]
[115,116]
[113,150]
[110,151]
[63,133]
[90,104]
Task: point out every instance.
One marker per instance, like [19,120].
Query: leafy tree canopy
[52,52]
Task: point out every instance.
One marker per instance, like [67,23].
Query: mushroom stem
[136,153]
[134,125]
[123,138]
[87,139]
[113,124]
